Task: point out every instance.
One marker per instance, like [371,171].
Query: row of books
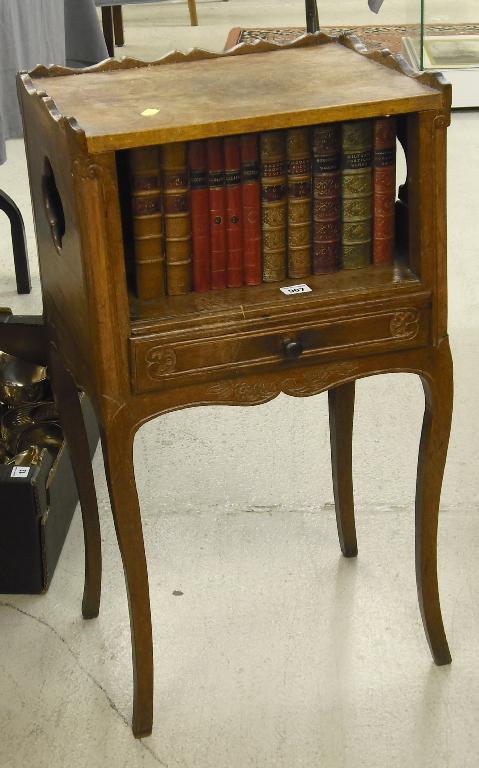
[262,207]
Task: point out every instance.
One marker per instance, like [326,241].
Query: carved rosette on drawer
[337,337]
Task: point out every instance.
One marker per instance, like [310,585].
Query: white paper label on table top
[290,290]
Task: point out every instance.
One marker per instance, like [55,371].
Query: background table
[42,32]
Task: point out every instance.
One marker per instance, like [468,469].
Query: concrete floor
[279,652]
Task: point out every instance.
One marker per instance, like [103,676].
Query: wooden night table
[240,346]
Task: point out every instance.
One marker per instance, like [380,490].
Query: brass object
[3,453]
[27,458]
[16,420]
[47,435]
[21,381]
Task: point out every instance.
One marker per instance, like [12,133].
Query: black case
[35,515]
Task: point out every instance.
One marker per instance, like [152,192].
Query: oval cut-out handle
[53,205]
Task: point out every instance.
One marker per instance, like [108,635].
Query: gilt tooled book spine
[273,205]
[298,151]
[217,206]
[200,215]
[356,183]
[145,190]
[176,207]
[384,189]
[234,229]
[251,201]
[326,198]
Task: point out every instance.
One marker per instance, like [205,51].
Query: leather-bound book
[200,215]
[251,199]
[356,183]
[176,207]
[384,189]
[234,229]
[298,152]
[273,204]
[326,198]
[145,190]
[217,204]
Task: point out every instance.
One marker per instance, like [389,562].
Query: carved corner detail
[84,169]
[405,324]
[160,361]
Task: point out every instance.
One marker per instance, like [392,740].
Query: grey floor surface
[279,652]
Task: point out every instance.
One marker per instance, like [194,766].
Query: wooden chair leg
[19,243]
[71,418]
[108,28]
[341,415]
[312,17]
[193,14]
[118,25]
[117,443]
[438,390]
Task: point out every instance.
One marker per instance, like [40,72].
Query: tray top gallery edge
[259,91]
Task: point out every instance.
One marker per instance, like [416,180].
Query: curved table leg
[117,443]
[19,242]
[438,390]
[341,415]
[71,418]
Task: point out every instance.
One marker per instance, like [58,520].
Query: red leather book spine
[234,231]
[384,189]
[217,204]
[251,198]
[326,198]
[200,215]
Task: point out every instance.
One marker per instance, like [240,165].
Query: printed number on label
[20,472]
[292,289]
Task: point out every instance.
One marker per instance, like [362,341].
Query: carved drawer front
[157,360]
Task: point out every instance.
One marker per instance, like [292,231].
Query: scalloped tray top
[195,95]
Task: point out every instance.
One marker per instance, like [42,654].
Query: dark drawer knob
[292,348]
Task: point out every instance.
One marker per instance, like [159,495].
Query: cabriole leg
[73,425]
[438,390]
[117,442]
[341,415]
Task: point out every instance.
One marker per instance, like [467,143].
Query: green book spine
[298,152]
[356,188]
[273,205]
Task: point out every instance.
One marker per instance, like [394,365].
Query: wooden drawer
[159,359]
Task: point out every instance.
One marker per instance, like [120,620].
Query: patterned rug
[387,36]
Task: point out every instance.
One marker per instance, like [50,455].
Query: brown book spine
[273,205]
[251,200]
[200,215]
[356,182]
[176,207]
[384,189]
[326,198]
[298,151]
[217,198]
[144,168]
[234,229]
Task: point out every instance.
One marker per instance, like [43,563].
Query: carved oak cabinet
[239,346]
